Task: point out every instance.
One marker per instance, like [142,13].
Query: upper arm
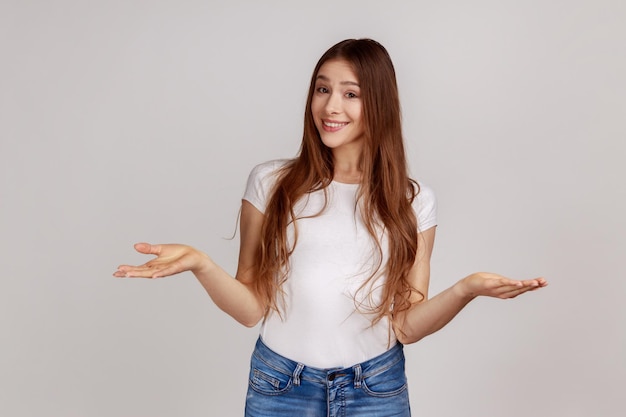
[251,222]
[419,278]
[425,206]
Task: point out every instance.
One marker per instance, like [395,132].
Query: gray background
[123,121]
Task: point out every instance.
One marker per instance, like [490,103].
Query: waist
[355,372]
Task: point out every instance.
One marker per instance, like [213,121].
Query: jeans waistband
[354,373]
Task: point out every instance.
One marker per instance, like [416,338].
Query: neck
[347,167]
[347,177]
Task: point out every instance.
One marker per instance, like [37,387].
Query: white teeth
[329,124]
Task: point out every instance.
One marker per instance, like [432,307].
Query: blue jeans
[280,387]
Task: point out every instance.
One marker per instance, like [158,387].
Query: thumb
[147,248]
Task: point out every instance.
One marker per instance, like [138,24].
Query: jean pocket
[387,383]
[266,380]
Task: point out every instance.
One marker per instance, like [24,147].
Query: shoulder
[268,169]
[426,194]
[261,182]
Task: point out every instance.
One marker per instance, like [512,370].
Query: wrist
[463,289]
[203,265]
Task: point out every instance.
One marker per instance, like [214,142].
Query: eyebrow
[325,78]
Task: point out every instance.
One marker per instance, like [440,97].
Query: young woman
[335,254]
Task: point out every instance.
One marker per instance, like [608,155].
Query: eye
[351,95]
[322,90]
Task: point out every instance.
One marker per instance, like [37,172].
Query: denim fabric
[280,387]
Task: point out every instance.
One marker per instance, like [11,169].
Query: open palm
[170,259]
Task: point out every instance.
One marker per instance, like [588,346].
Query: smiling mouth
[334,124]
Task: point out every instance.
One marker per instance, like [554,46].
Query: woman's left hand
[494,285]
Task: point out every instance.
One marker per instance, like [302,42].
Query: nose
[333,104]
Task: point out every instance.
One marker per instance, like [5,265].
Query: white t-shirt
[321,325]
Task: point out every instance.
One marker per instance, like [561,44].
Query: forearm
[429,316]
[231,295]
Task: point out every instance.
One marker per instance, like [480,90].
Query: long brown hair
[386,192]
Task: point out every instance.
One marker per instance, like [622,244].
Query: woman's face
[336,107]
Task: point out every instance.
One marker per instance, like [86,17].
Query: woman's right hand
[170,259]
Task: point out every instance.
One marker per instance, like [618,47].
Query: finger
[126,268]
[504,289]
[143,271]
[518,291]
[138,273]
[536,284]
[150,273]
[118,274]
[531,282]
[506,282]
[147,248]
[122,270]
[540,282]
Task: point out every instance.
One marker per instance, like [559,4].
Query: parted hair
[385,192]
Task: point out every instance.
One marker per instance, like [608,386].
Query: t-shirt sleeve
[425,206]
[260,183]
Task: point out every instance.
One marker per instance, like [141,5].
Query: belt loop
[296,374]
[357,376]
